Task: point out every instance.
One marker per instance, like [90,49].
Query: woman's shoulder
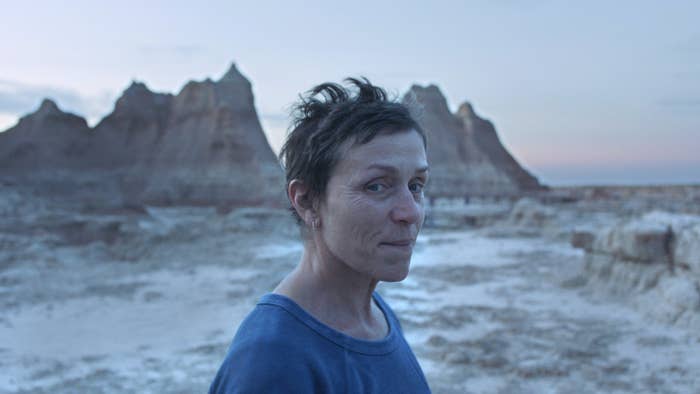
[262,364]
[268,354]
[270,323]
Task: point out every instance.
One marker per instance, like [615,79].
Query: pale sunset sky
[590,92]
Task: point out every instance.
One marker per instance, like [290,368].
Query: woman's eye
[415,187]
[376,187]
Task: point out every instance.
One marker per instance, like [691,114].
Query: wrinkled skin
[373,207]
[362,231]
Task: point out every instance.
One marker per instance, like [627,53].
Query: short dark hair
[326,117]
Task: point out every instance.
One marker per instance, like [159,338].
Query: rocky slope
[654,259]
[133,129]
[204,145]
[46,139]
[465,154]
[215,147]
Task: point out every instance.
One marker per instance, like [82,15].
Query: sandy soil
[148,301]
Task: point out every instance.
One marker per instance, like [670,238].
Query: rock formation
[133,129]
[654,258]
[203,146]
[46,139]
[465,154]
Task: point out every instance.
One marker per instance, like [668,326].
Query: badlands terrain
[580,290]
[131,250]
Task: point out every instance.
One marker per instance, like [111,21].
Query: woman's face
[373,205]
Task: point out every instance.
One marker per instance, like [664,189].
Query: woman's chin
[397,273]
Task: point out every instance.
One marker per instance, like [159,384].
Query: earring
[315,224]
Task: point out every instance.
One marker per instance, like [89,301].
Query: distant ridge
[204,145]
[465,154]
[43,140]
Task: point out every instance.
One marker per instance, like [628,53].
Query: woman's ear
[298,193]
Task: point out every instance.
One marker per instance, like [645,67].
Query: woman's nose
[407,208]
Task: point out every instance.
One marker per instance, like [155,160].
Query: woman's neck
[335,294]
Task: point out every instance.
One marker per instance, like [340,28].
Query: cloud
[519,3]
[18,99]
[680,102]
[275,117]
[179,51]
[691,44]
[686,75]
[644,173]
[688,48]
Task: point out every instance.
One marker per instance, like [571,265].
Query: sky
[591,92]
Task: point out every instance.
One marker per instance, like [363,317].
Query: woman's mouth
[400,245]
[400,242]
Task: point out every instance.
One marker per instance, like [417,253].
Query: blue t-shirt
[280,348]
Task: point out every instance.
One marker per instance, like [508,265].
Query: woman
[356,167]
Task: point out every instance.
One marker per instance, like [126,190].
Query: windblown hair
[326,117]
